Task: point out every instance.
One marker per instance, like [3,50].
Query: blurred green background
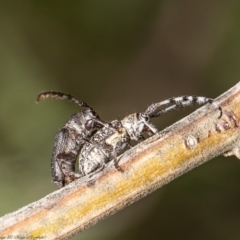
[118,56]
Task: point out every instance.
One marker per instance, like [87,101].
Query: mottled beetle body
[103,147]
[110,140]
[69,140]
[93,142]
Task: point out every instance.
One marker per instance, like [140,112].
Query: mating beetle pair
[94,142]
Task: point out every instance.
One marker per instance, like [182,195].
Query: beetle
[69,140]
[110,140]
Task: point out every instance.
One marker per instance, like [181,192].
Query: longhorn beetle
[109,141]
[69,140]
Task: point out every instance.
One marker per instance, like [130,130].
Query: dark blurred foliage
[119,56]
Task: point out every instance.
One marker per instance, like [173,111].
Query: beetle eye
[89,125]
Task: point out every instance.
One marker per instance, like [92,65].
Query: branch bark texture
[199,137]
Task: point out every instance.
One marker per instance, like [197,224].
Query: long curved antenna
[183,101]
[61,96]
